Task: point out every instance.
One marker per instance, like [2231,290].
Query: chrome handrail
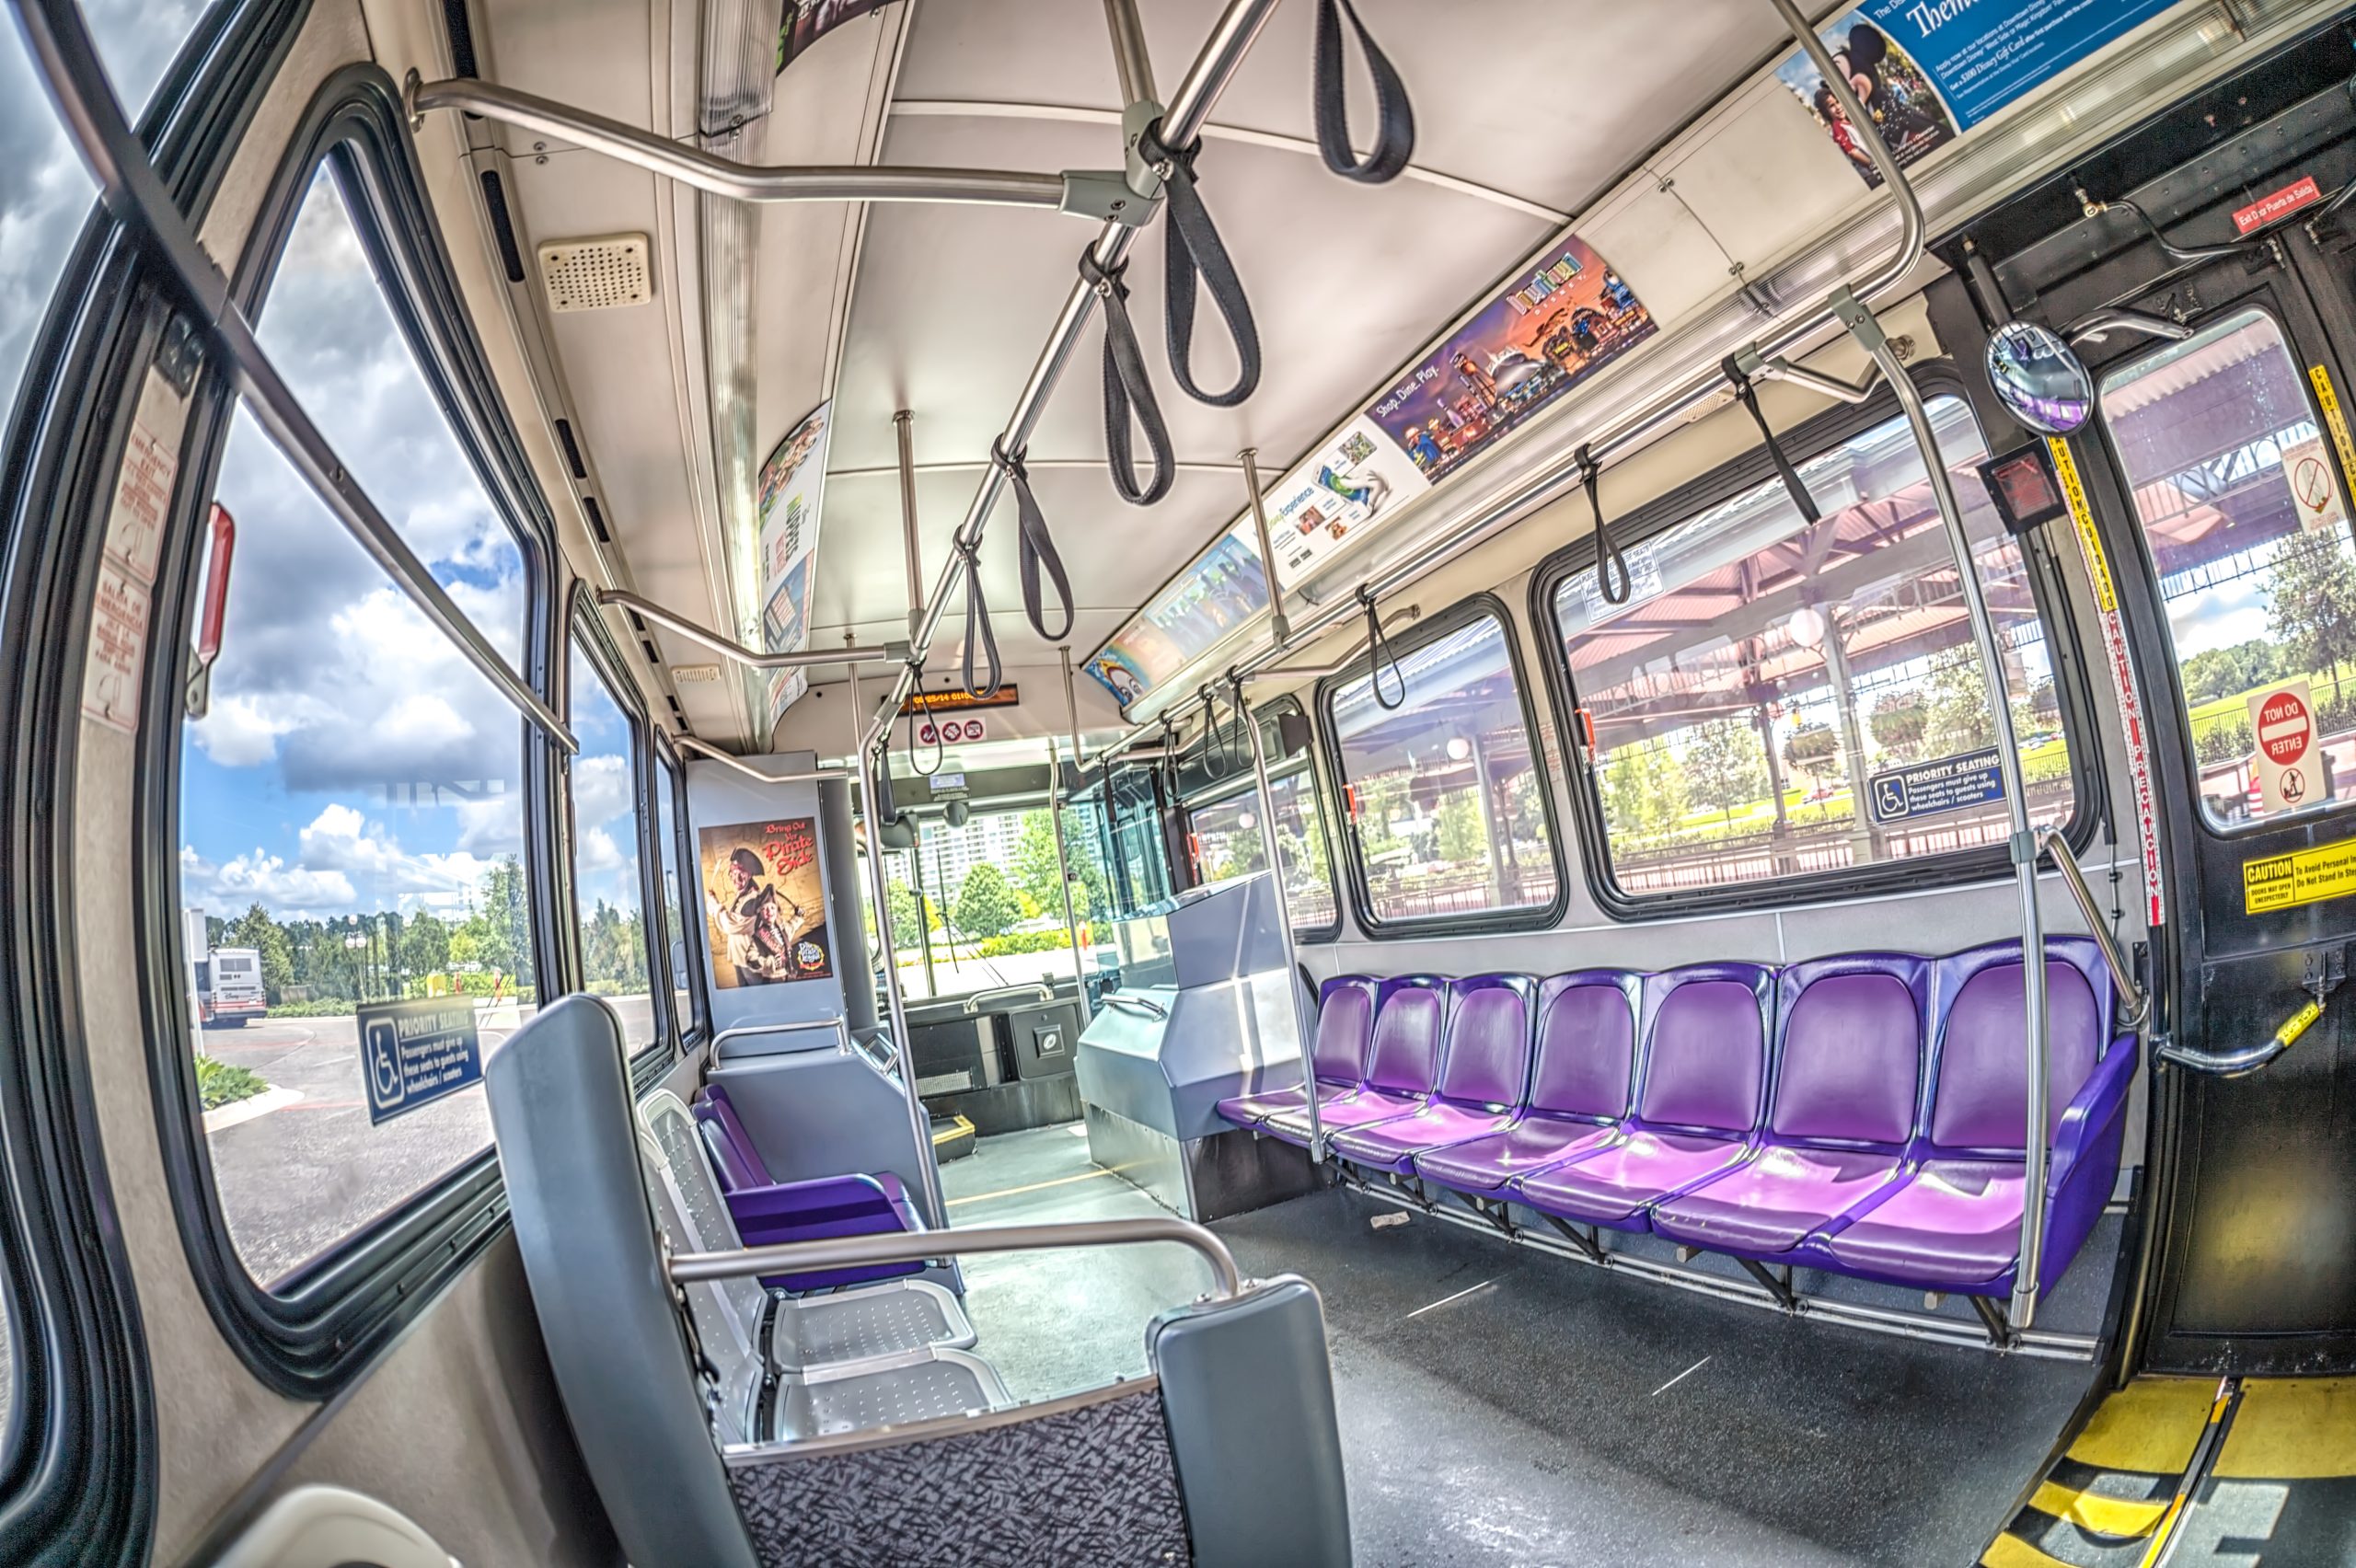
[909,1247]
[738,765]
[1038,988]
[752,659]
[1153,1008]
[745,1030]
[2135,1003]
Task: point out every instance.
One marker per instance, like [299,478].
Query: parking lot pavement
[295,1181]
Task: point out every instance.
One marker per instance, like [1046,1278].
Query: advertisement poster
[1355,479]
[792,483]
[1928,71]
[1556,324]
[1223,589]
[804,22]
[764,903]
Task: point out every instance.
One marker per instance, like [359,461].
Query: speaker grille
[597,273]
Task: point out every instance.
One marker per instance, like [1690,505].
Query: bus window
[1447,811]
[992,907]
[608,897]
[351,805]
[1227,843]
[1783,698]
[668,831]
[2216,437]
[1130,828]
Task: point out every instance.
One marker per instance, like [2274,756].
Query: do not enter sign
[2282,730]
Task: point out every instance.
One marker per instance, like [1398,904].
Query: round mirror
[2039,378]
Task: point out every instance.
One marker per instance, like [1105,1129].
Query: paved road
[300,1178]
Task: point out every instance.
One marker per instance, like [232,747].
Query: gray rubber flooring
[1499,1405]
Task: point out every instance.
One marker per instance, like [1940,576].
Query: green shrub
[219,1084]
[1017,942]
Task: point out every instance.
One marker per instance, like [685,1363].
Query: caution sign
[2283,730]
[2309,876]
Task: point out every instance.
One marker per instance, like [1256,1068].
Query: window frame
[586,632]
[663,756]
[327,1320]
[1347,847]
[1227,789]
[1810,439]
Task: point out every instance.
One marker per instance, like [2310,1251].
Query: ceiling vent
[598,273]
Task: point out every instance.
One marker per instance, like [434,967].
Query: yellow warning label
[2329,401]
[2074,491]
[2310,876]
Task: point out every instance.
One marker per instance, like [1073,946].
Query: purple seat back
[727,1160]
[1409,1013]
[1849,1065]
[1344,1022]
[1980,1086]
[1705,1046]
[1587,1043]
[1488,1058]
[712,1103]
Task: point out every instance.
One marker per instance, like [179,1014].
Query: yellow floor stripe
[2292,1429]
[2011,1552]
[2109,1515]
[1033,1187]
[2149,1426]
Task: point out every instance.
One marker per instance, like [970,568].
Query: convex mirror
[2039,378]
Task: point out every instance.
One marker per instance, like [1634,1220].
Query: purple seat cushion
[1354,1109]
[1851,1061]
[712,1104]
[1954,1222]
[1344,1019]
[1707,1057]
[1533,1142]
[1587,1049]
[1981,1099]
[1771,1204]
[1404,1056]
[1392,1145]
[1251,1109]
[1613,1184]
[1488,1060]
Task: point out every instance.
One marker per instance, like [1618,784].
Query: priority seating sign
[2282,733]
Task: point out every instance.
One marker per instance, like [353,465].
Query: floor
[1500,1405]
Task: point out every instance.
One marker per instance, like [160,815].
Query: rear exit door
[2230,529]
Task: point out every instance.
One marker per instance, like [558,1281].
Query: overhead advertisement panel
[1224,587]
[793,484]
[1927,71]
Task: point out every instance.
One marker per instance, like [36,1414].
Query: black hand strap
[1378,649]
[1210,731]
[1128,390]
[1190,246]
[978,622]
[1607,549]
[1034,548]
[939,746]
[1394,117]
[1241,757]
[1783,470]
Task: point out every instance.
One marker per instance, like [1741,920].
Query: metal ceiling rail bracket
[808,658]
[735,764]
[1231,40]
[1749,362]
[1082,192]
[128,184]
[1140,105]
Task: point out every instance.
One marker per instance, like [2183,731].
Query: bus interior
[710,861]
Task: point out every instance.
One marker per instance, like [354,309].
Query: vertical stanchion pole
[1304,1030]
[936,1213]
[1280,629]
[1063,877]
[903,432]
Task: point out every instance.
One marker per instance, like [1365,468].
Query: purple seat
[767,1212]
[1344,1022]
[1953,1222]
[1484,1067]
[1402,1065]
[1578,1087]
[1697,1101]
[1848,1069]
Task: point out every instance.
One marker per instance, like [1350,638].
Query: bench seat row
[1864,1114]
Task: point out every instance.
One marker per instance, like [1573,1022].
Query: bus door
[2230,472]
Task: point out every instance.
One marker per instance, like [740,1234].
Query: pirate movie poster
[1927,71]
[792,484]
[1554,326]
[804,22]
[764,905]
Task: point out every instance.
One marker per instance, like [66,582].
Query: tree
[2228,672]
[1897,724]
[1725,765]
[425,946]
[504,940]
[1955,716]
[1035,871]
[2312,616]
[1463,839]
[256,930]
[907,933]
[986,904]
[1643,791]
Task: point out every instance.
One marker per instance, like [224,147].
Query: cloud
[599,852]
[602,790]
[259,877]
[236,732]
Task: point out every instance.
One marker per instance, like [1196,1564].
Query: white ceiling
[1547,102]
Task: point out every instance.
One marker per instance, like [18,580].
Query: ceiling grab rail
[728,648]
[1853,312]
[909,1247]
[1230,39]
[2135,1003]
[735,764]
[67,61]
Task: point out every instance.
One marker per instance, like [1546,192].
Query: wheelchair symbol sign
[385,1089]
[1889,796]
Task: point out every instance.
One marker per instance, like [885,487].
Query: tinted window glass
[1784,697]
[609,899]
[1227,843]
[1446,807]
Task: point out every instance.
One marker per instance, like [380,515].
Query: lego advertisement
[1358,477]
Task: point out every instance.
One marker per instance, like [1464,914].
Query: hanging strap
[1783,470]
[1242,756]
[1211,731]
[1192,247]
[978,621]
[1128,390]
[1377,647]
[1034,548]
[939,746]
[1607,549]
[1394,117]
